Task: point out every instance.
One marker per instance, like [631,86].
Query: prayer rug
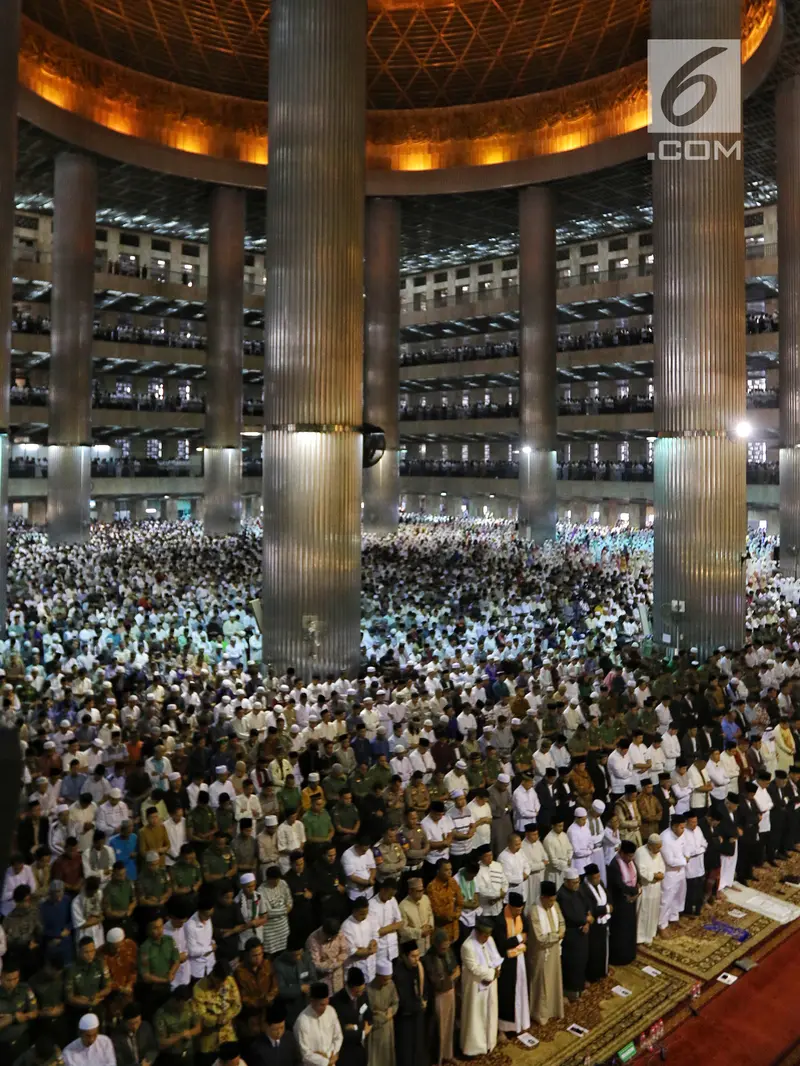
[708,945]
[612,1020]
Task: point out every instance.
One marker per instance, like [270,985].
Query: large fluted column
[9,47]
[382,360]
[222,454]
[314,335]
[72,310]
[538,399]
[788,133]
[700,376]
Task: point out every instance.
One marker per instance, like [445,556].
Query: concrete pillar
[700,377]
[537,365]
[222,455]
[198,509]
[139,510]
[37,512]
[105,510]
[9,48]
[788,135]
[72,315]
[314,336]
[382,360]
[171,509]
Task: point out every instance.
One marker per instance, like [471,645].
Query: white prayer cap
[174,776]
[222,769]
[247,879]
[62,807]
[89,1021]
[314,777]
[428,722]
[352,692]
[531,711]
[49,745]
[461,765]
[294,729]
[284,688]
[399,748]
[270,820]
[456,793]
[598,806]
[515,721]
[226,699]
[571,874]
[504,779]
[116,793]
[654,838]
[383,968]
[115,936]
[370,669]
[64,723]
[580,812]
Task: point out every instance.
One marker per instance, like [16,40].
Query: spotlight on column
[743,430]
[374,445]
[526,449]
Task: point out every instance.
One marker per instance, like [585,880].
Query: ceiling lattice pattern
[440,55]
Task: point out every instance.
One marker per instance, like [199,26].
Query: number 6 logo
[682,80]
[678,70]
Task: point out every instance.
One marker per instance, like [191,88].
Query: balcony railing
[38,396]
[156,337]
[757,473]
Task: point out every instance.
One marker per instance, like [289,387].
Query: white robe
[537,861]
[673,887]
[516,868]
[580,836]
[597,829]
[559,856]
[648,906]
[479,1020]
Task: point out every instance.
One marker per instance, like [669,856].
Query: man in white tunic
[559,853]
[91,1048]
[536,857]
[491,884]
[581,839]
[597,829]
[317,1029]
[673,887]
[651,869]
[480,967]
[525,803]
[386,919]
[361,935]
[730,832]
[515,865]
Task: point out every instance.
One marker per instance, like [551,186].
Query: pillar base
[382,494]
[790,511]
[69,472]
[312,552]
[222,490]
[171,509]
[106,510]
[538,505]
[700,497]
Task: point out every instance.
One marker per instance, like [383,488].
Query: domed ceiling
[421,53]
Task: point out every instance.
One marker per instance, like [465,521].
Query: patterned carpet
[706,953]
[612,1020]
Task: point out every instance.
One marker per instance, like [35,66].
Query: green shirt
[118,896]
[289,799]
[168,1022]
[378,775]
[201,821]
[158,957]
[216,862]
[21,999]
[185,875]
[317,826]
[86,979]
[345,815]
[333,786]
[152,883]
[226,821]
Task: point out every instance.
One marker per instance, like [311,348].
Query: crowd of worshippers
[381,870]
